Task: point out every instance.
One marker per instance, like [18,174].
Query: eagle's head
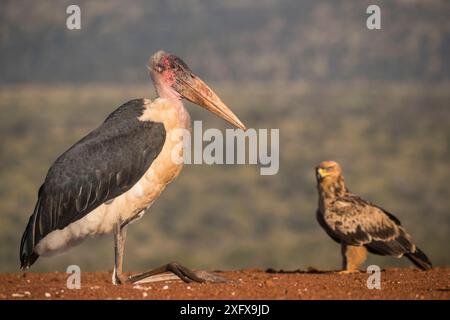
[329,177]
[328,170]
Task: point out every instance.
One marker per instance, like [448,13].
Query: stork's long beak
[198,92]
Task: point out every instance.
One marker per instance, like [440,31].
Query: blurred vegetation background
[376,101]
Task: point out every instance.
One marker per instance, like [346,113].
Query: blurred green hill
[376,101]
[234,40]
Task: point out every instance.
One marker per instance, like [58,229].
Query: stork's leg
[182,272]
[352,258]
[120,234]
[177,269]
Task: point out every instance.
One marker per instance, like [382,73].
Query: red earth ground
[396,283]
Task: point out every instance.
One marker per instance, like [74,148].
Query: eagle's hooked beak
[321,173]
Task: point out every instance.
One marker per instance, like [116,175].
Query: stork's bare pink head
[170,72]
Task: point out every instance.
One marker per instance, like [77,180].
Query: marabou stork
[111,176]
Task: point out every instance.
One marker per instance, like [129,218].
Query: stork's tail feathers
[27,254]
[419,259]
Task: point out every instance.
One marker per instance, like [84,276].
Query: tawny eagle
[358,225]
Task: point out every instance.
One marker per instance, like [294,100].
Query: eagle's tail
[419,259]
[27,254]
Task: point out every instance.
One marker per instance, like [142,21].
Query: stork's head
[173,77]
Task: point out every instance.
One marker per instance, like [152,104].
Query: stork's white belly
[131,204]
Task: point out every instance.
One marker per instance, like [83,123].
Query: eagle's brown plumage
[359,225]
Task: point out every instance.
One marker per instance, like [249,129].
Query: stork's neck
[165,91]
[168,102]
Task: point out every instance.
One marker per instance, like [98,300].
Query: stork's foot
[181,272]
[211,277]
[118,279]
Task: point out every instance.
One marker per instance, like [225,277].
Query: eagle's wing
[99,167]
[326,226]
[363,223]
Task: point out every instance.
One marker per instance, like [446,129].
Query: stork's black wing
[99,167]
